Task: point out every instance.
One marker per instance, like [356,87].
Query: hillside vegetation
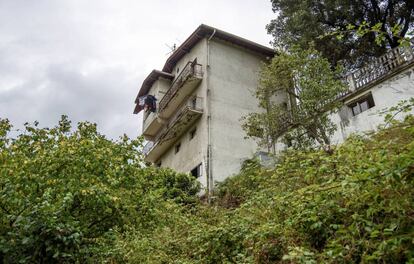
[77,197]
[66,195]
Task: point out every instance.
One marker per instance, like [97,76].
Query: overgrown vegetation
[65,195]
[78,197]
[297,92]
[354,205]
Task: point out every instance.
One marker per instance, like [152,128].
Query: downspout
[209,152]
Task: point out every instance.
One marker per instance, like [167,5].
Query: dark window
[178,69]
[177,147]
[194,103]
[363,104]
[196,172]
[193,133]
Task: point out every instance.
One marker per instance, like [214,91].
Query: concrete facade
[230,68]
[192,151]
[233,78]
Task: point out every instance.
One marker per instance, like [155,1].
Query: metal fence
[191,69]
[381,66]
[194,103]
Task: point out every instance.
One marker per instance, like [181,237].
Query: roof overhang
[205,31]
[146,85]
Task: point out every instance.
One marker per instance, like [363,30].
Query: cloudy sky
[88,58]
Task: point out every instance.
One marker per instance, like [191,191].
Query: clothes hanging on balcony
[140,104]
[150,103]
[147,103]
[141,101]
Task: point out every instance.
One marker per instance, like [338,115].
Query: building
[382,83]
[203,90]
[208,84]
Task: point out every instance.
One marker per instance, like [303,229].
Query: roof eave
[204,31]
[149,81]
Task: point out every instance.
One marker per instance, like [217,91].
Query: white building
[203,90]
[208,84]
[381,84]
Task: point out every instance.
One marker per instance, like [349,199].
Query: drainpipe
[209,152]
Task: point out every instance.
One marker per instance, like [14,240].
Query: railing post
[410,52]
[351,82]
[381,66]
[398,55]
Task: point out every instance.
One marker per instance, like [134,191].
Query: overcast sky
[88,58]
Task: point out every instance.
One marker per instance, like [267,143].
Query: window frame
[193,133]
[356,106]
[198,170]
[177,147]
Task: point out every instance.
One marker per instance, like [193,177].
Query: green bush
[64,193]
[78,197]
[354,204]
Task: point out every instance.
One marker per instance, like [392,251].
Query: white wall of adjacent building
[385,95]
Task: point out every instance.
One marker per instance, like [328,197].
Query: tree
[64,193]
[297,91]
[302,22]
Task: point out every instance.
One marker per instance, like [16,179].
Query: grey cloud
[103,97]
[87,59]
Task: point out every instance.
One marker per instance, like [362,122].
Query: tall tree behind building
[302,22]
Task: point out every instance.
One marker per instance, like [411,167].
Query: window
[193,133]
[363,104]
[177,147]
[178,69]
[194,102]
[197,172]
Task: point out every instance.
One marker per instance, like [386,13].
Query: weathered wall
[194,151]
[233,77]
[159,87]
[386,94]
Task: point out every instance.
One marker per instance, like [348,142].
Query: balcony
[181,88]
[151,125]
[382,67]
[190,112]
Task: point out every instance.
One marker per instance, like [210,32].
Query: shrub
[64,193]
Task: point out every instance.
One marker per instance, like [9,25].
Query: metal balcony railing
[191,69]
[147,148]
[149,117]
[381,66]
[193,104]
